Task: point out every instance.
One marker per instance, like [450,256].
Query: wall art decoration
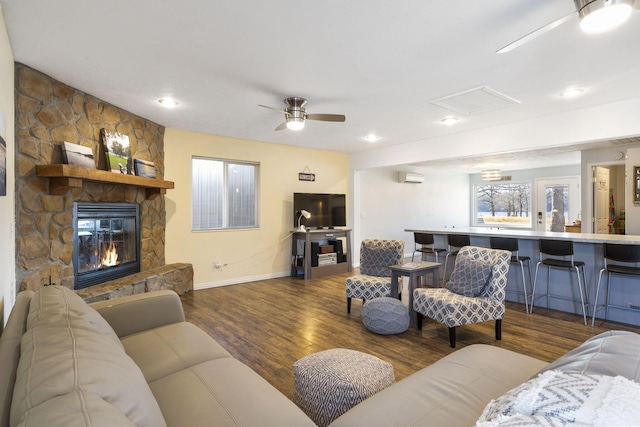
[117,151]
[3,167]
[78,155]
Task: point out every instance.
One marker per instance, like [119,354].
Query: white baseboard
[238,280]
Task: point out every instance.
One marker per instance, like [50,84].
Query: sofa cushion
[224,392]
[78,408]
[469,276]
[60,301]
[62,352]
[610,353]
[168,349]
[558,398]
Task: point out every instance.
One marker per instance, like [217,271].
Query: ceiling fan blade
[326,117]
[540,31]
[274,109]
[283,125]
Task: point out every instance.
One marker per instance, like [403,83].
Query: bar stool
[426,243]
[560,248]
[511,244]
[627,254]
[455,241]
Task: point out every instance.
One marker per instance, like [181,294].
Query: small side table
[415,271]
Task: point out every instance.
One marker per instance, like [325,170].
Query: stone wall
[47,113]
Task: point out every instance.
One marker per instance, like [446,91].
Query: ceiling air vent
[474,101]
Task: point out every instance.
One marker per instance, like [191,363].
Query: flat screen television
[327,210]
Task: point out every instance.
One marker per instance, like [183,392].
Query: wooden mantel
[64,177]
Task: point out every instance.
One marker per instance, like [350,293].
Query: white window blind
[224,194]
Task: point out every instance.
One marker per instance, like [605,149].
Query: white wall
[387,207]
[251,254]
[7,223]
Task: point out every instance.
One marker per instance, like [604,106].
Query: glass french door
[557,204]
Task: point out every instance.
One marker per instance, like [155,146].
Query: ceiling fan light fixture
[599,16]
[295,123]
[491,175]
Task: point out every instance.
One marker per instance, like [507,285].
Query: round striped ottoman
[327,384]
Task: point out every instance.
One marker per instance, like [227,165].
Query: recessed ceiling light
[449,121]
[168,102]
[372,138]
[572,93]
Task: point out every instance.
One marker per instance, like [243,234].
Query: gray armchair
[474,293]
[374,280]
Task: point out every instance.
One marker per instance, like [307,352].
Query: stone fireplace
[106,242]
[47,113]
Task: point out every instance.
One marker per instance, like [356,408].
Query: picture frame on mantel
[144,168]
[117,150]
[77,155]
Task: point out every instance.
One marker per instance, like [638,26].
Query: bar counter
[588,247]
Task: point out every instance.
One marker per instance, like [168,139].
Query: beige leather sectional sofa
[134,361]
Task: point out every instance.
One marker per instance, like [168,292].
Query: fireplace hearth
[106,242]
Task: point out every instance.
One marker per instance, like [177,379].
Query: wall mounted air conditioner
[410,177]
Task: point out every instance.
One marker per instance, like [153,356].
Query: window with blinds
[224,194]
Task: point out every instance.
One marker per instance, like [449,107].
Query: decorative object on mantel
[306,175]
[117,151]
[78,155]
[144,168]
[636,184]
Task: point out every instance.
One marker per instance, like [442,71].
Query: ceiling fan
[596,16]
[295,114]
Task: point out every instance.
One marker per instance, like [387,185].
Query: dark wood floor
[270,324]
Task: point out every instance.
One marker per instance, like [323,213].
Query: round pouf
[385,316]
[327,384]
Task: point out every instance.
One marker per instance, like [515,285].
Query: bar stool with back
[627,258]
[511,244]
[455,243]
[562,249]
[426,242]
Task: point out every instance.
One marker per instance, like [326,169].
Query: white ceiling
[380,63]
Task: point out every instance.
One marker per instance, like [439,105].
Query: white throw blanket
[555,398]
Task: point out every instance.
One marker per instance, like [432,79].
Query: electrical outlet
[216,264]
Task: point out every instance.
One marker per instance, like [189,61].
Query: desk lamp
[302,213]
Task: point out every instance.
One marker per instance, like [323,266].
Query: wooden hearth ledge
[64,177]
[177,277]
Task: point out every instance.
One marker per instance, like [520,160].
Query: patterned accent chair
[374,280]
[455,309]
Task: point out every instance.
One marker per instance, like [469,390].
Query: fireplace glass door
[105,242]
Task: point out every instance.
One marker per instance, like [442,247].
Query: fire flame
[109,256]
